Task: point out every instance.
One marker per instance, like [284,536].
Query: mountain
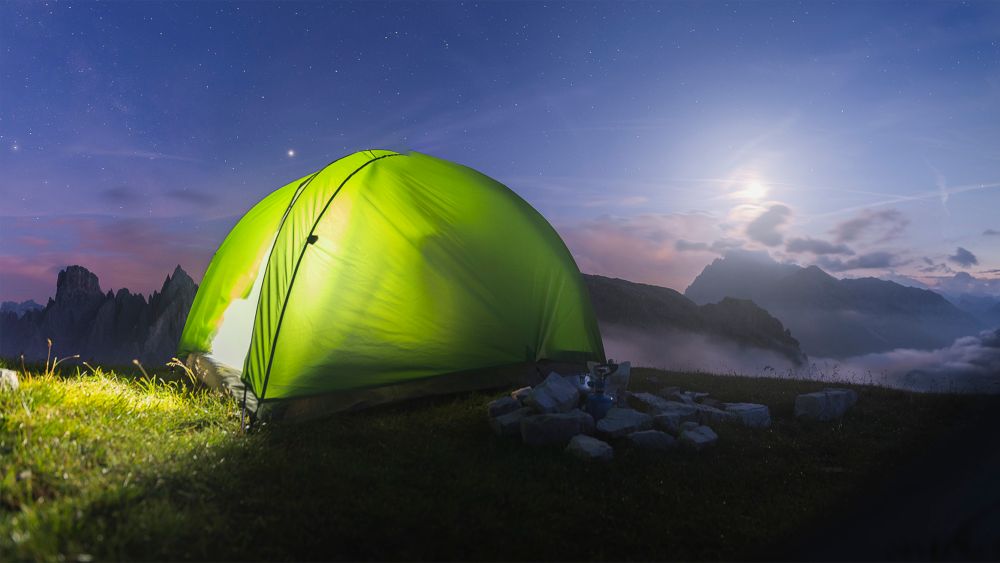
[19,309]
[651,309]
[111,328]
[836,317]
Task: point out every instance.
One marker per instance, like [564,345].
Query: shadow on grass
[428,480]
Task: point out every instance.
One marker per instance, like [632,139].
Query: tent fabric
[383,268]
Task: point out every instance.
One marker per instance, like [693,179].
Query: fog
[969,365]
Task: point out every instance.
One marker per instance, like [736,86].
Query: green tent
[384,269]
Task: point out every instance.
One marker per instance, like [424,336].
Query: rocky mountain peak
[77,283]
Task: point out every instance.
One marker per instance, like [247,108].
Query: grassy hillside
[99,466]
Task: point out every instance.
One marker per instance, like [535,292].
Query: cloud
[684,246]
[963,258]
[190,196]
[963,282]
[643,248]
[816,246]
[764,229]
[991,233]
[871,260]
[128,153]
[118,194]
[885,225]
[971,365]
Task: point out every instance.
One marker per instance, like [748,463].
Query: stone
[510,424]
[712,415]
[590,449]
[699,438]
[503,405]
[520,394]
[650,401]
[554,395]
[669,392]
[825,405]
[671,418]
[620,422]
[714,403]
[8,380]
[555,429]
[652,440]
[689,425]
[750,415]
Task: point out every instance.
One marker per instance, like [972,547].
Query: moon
[291,153]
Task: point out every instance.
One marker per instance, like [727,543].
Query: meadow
[100,464]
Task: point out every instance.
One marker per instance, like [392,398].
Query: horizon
[653,137]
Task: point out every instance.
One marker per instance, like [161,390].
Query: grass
[96,465]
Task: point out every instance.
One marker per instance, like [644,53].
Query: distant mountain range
[110,328]
[19,309]
[833,317]
[623,304]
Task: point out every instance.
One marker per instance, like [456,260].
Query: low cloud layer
[970,365]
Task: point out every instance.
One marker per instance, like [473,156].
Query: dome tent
[385,272]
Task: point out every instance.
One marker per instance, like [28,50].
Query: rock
[696,395]
[825,405]
[714,403]
[555,429]
[510,424]
[553,395]
[619,422]
[699,438]
[652,440]
[8,380]
[671,418]
[503,405]
[520,394]
[669,392]
[712,415]
[650,401]
[591,449]
[750,415]
[689,425]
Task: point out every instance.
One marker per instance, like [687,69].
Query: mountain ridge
[836,317]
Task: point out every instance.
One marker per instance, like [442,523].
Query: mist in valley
[971,364]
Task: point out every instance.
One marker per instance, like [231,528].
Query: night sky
[862,137]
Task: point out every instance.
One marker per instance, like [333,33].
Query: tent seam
[302,253]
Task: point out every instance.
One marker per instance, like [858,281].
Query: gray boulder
[690,425]
[509,424]
[620,422]
[553,395]
[8,380]
[652,440]
[503,405]
[669,392]
[590,449]
[711,415]
[555,429]
[825,405]
[699,438]
[650,401]
[750,415]
[671,418]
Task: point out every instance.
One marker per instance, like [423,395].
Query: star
[291,153]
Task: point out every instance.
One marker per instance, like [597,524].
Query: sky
[655,137]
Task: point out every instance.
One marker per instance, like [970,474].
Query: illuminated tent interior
[380,277]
